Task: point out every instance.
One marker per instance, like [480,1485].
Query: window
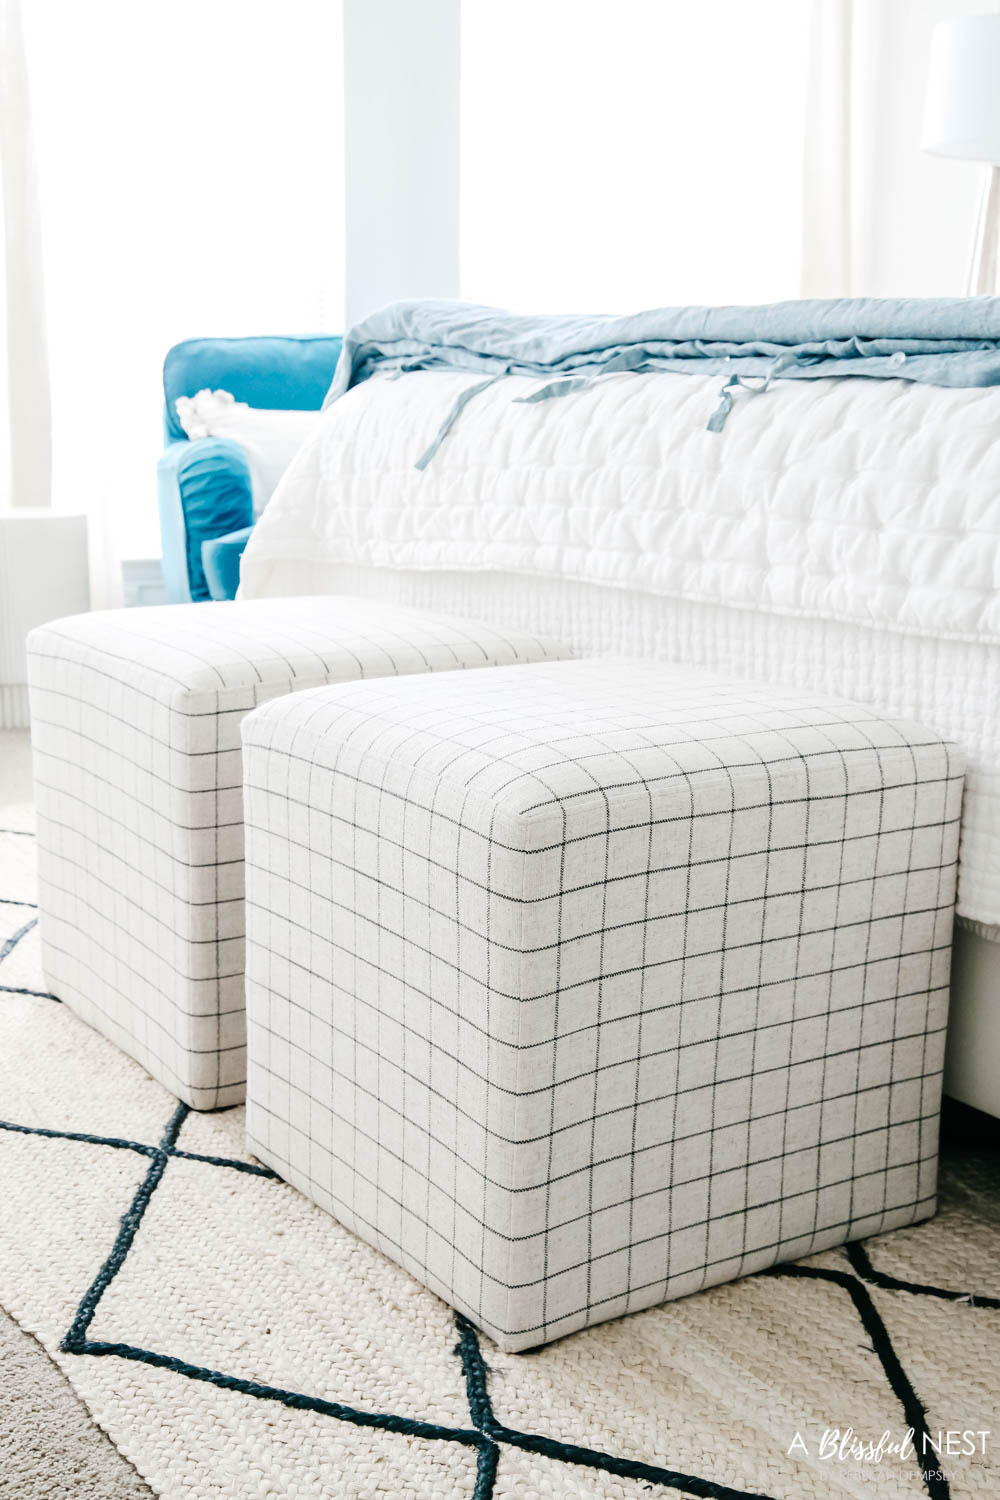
[191,178]
[629,155]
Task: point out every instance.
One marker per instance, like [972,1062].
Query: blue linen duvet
[938,341]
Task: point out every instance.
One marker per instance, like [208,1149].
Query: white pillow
[270,439]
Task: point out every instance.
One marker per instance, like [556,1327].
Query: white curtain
[832,155]
[25,446]
[880,217]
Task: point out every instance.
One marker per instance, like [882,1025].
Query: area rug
[50,1448]
[233,1340]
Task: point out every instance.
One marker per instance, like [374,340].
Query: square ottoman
[136,737]
[583,986]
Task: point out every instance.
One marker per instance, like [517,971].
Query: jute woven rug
[233,1340]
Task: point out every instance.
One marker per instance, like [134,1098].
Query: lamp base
[982,280]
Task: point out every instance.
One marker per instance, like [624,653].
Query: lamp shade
[962,111]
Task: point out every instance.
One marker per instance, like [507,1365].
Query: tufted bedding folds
[842,533]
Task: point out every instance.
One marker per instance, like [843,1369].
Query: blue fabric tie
[943,341]
[458,406]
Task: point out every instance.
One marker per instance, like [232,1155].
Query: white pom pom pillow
[270,439]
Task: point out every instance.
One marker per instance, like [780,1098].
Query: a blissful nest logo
[844,1445]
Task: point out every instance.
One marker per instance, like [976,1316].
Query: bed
[837,532]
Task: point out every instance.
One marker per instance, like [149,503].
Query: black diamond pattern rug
[233,1340]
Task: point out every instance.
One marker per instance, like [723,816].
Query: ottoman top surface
[528,738]
[183,649]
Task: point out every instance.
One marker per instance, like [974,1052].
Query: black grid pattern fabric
[136,742]
[581,987]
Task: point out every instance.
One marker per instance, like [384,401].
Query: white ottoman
[583,986]
[135,729]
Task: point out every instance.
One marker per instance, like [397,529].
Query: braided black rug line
[487,1435]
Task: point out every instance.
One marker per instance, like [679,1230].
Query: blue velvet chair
[203,485]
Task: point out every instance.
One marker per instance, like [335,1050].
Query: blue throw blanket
[938,341]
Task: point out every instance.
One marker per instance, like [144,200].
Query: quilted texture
[869,501]
[582,987]
[839,534]
[136,742]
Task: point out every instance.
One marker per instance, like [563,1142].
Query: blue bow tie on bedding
[947,341]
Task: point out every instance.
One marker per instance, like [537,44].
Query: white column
[401,143]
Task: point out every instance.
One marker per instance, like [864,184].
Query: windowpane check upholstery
[136,734]
[583,986]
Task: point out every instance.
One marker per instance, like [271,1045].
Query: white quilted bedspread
[867,500]
[874,503]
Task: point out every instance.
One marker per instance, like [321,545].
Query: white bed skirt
[952,685]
